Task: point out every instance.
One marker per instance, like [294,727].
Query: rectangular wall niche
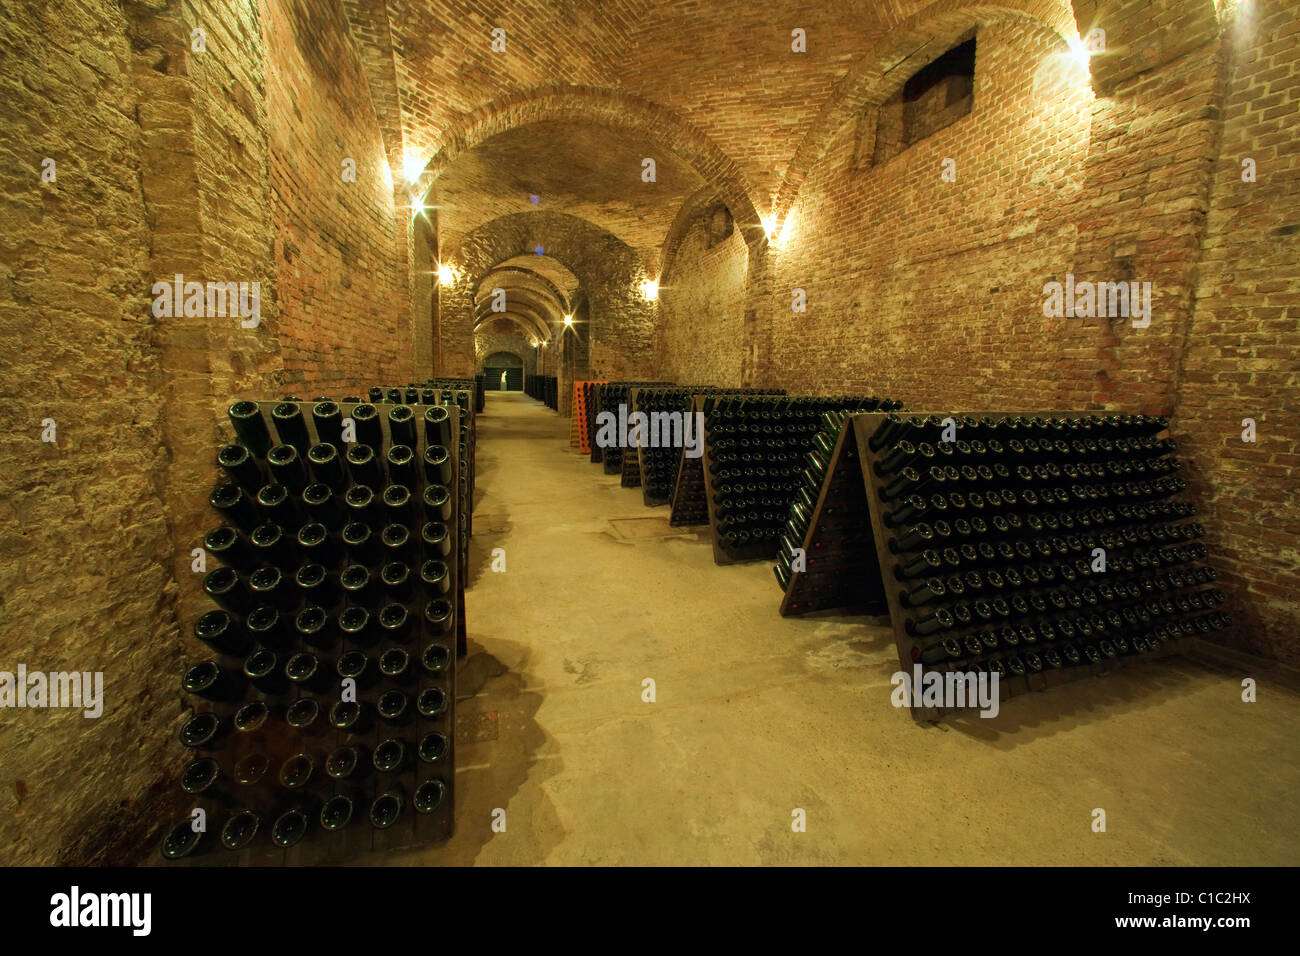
[937,95]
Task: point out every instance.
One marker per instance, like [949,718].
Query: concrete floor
[757,715]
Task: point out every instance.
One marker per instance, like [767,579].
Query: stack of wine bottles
[825,555]
[609,397]
[758,450]
[591,392]
[1024,545]
[460,392]
[544,388]
[689,501]
[660,463]
[323,700]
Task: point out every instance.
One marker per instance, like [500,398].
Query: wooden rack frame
[854,458]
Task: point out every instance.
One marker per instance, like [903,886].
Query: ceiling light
[1079,51]
[568,320]
[446,274]
[650,289]
[412,167]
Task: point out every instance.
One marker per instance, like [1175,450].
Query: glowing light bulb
[412,167]
[650,289]
[446,274]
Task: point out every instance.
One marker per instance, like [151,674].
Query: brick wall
[1242,351]
[340,247]
[928,290]
[84,544]
[701,306]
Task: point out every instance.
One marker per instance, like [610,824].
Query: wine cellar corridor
[557,732]
[628,433]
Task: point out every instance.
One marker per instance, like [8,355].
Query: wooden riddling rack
[690,500]
[854,459]
[842,570]
[579,420]
[765,549]
[609,395]
[644,398]
[282,740]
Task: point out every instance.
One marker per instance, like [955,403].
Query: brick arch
[530,320]
[699,201]
[530,275]
[501,350]
[620,324]
[608,108]
[876,76]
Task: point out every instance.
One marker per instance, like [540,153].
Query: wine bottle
[240,829]
[202,731]
[224,586]
[387,808]
[438,616]
[268,586]
[328,418]
[351,717]
[401,425]
[181,841]
[229,548]
[326,465]
[209,680]
[316,586]
[398,506]
[437,465]
[235,507]
[290,827]
[396,578]
[437,503]
[287,468]
[429,795]
[305,672]
[436,658]
[368,429]
[270,546]
[363,466]
[357,586]
[266,627]
[435,538]
[336,812]
[437,426]
[431,702]
[250,427]
[394,707]
[291,426]
[241,467]
[436,578]
[390,756]
[219,631]
[394,623]
[396,543]
[201,780]
[401,466]
[305,717]
[433,747]
[349,764]
[315,627]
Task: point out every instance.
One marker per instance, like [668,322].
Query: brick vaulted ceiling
[722,70]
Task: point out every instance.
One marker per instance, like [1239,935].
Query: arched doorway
[503,372]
